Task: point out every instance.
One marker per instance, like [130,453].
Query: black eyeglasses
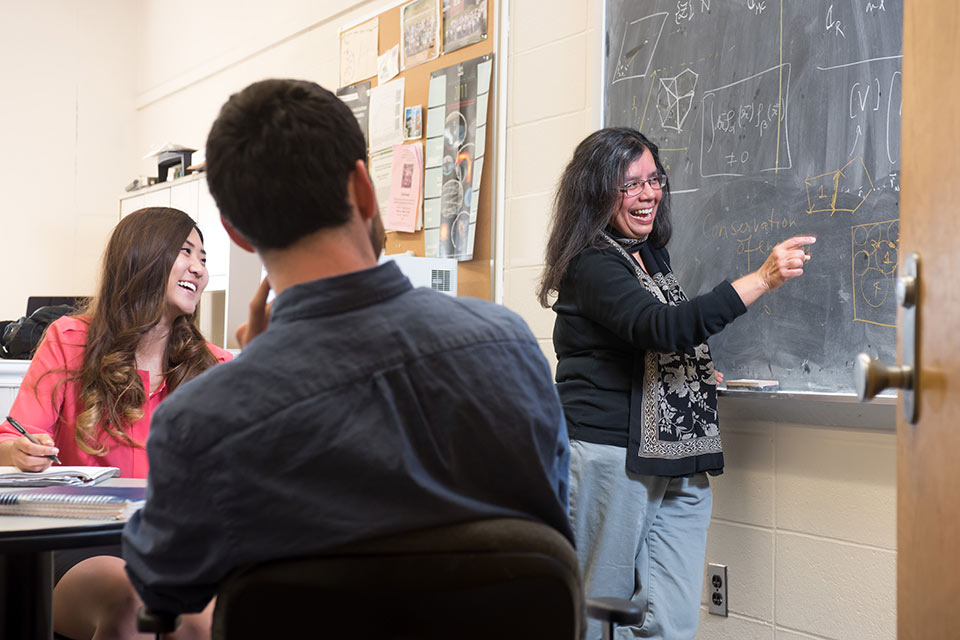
[634,187]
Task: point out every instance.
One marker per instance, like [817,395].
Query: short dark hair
[278,159]
[587,197]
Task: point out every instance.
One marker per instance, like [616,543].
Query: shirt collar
[339,294]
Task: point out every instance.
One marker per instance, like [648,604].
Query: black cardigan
[606,320]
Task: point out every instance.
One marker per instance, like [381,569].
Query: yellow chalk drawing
[875,257]
[822,190]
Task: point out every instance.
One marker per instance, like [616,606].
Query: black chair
[35,302]
[502,578]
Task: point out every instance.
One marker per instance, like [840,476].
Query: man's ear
[361,189]
[236,237]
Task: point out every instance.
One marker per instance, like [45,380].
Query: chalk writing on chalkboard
[774,119]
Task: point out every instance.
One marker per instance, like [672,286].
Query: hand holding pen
[37,446]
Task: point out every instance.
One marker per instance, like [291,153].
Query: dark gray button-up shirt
[367,408]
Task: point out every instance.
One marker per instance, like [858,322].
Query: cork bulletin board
[473,276]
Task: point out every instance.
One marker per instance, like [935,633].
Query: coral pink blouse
[38,410]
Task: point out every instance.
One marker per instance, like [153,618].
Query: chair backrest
[492,579]
[35,302]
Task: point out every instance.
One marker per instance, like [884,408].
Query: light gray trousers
[639,537]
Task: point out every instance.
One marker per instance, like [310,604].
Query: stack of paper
[405,205]
[54,476]
[108,503]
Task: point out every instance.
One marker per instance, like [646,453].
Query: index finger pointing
[798,241]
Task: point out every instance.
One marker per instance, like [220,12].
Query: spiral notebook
[107,503]
[56,476]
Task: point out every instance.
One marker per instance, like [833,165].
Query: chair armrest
[149,621]
[619,611]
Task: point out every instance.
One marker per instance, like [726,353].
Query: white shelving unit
[11,374]
[234,273]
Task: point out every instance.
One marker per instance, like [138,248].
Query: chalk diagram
[875,257]
[640,38]
[675,99]
[824,189]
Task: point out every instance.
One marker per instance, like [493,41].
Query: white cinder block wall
[805,516]
[553,56]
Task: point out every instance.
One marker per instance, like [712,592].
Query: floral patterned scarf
[675,392]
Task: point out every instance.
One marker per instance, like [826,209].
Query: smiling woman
[94,383]
[634,373]
[188,277]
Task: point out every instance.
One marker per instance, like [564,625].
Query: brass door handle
[871,376]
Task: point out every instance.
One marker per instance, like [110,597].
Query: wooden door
[928,452]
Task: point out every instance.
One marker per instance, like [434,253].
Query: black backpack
[19,339]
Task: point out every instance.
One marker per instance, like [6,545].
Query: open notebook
[56,476]
[108,503]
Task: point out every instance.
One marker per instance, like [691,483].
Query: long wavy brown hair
[587,197]
[129,303]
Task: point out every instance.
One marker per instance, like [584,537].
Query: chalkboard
[774,119]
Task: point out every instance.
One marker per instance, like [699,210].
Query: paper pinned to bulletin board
[456,135]
[391,122]
[358,52]
[386,115]
[406,178]
[357,97]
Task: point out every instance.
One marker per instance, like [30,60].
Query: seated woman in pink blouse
[93,385]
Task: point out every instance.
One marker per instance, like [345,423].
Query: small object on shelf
[140,182]
[178,160]
[199,161]
[171,156]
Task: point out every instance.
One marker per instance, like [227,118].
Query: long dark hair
[587,197]
[129,303]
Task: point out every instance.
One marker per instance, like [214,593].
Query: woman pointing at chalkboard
[636,379]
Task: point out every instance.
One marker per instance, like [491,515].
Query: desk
[26,564]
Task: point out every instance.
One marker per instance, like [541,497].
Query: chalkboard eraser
[753,385]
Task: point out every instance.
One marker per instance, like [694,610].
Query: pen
[30,436]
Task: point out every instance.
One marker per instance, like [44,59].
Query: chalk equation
[874,102]
[744,125]
[687,9]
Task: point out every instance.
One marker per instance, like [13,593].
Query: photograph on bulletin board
[464,22]
[419,33]
[413,123]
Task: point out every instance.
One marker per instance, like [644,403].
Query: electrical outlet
[717,589]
